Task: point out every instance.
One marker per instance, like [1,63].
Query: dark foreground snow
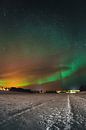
[42,111]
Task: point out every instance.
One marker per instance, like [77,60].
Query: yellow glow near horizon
[14,83]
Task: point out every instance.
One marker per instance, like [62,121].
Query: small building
[72,91]
[69,91]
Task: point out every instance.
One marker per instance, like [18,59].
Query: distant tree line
[14,89]
[50,91]
[82,88]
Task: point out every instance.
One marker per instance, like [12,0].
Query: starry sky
[42,44]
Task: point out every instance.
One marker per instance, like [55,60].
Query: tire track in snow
[68,118]
[24,111]
[69,115]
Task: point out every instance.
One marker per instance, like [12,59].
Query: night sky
[42,44]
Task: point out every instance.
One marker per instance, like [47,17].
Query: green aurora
[42,44]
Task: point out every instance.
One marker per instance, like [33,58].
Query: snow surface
[22,111]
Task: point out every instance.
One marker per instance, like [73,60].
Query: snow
[42,111]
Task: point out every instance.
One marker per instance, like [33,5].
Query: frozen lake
[22,111]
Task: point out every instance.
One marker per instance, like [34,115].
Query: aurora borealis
[41,43]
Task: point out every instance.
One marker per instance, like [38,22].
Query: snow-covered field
[22,111]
